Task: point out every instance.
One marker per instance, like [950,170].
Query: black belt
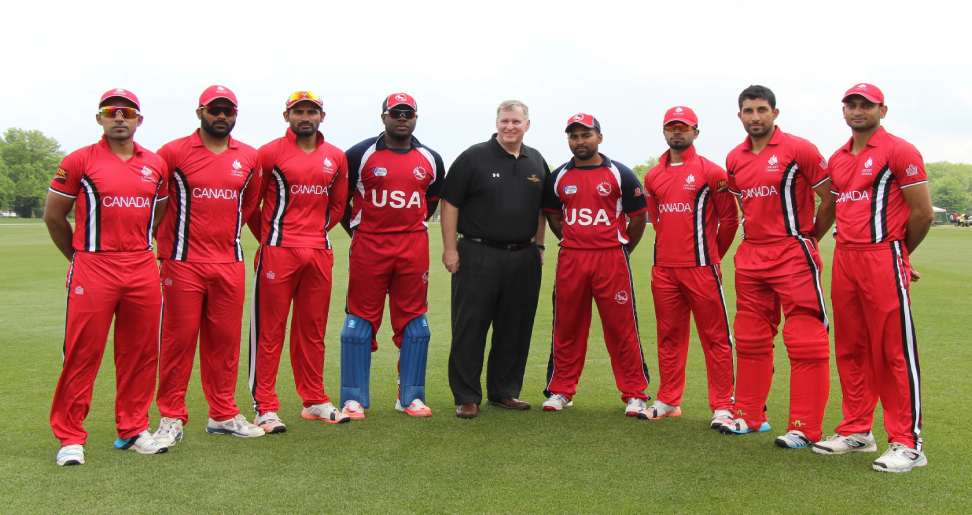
[500,245]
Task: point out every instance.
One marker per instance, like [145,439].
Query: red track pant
[603,275]
[395,264]
[204,302]
[677,291]
[877,353]
[768,277]
[285,275]
[123,285]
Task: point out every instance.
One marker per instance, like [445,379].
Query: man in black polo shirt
[492,234]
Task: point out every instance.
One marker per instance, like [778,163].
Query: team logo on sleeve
[60,176]
[722,185]
[621,297]
[418,172]
[911,171]
[604,189]
[379,171]
[570,189]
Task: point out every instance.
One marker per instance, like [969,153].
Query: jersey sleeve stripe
[61,193]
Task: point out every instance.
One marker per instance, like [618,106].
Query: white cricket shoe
[839,444]
[70,455]
[556,402]
[720,418]
[635,407]
[236,426]
[143,443]
[354,410]
[169,431]
[899,458]
[270,423]
[416,408]
[793,439]
[326,412]
[660,410]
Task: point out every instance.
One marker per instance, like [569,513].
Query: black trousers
[492,287]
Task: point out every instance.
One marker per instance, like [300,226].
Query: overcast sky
[625,62]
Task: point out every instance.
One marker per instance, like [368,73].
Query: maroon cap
[119,93]
[216,92]
[398,99]
[681,114]
[584,119]
[868,91]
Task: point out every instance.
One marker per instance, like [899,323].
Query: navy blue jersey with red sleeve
[596,202]
[392,190]
[114,209]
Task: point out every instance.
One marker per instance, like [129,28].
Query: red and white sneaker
[660,410]
[417,408]
[270,423]
[354,410]
[326,412]
[634,407]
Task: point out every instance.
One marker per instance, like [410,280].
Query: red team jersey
[391,189]
[304,194]
[115,207]
[210,195]
[777,181]
[593,200]
[870,206]
[694,218]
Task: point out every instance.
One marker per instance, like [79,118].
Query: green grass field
[587,459]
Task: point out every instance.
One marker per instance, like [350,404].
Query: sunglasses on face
[396,114]
[227,111]
[127,113]
[678,128]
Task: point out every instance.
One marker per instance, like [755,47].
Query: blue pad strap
[355,360]
[412,360]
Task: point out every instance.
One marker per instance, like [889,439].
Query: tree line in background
[28,160]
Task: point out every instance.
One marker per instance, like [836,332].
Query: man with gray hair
[492,235]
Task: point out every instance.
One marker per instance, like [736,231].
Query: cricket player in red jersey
[597,209]
[394,188]
[775,176]
[695,220]
[116,188]
[214,181]
[304,192]
[884,211]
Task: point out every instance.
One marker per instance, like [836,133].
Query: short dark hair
[755,92]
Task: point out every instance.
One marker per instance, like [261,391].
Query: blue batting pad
[355,360]
[412,360]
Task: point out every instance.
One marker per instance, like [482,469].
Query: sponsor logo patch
[570,189]
[79,290]
[418,172]
[911,171]
[621,297]
[604,189]
[271,275]
[328,164]
[533,178]
[379,171]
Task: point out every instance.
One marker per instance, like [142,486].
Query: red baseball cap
[584,119]
[216,92]
[399,99]
[304,96]
[868,91]
[681,114]
[119,93]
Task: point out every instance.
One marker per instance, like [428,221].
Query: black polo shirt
[499,196]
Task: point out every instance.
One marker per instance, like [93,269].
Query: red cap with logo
[304,96]
[216,92]
[868,91]
[397,100]
[583,119]
[119,93]
[681,114]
